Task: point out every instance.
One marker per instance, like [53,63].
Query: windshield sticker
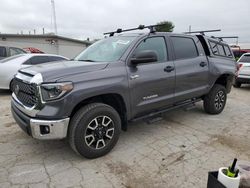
[123,42]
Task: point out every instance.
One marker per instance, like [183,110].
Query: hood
[54,71]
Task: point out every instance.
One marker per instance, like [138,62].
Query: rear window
[245,58]
[184,47]
[15,51]
[2,52]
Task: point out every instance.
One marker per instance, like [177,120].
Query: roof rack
[140,27]
[203,31]
[227,37]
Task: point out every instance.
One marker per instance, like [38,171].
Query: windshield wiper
[88,60]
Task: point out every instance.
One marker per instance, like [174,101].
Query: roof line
[45,36]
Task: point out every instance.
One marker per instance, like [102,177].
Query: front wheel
[94,130]
[215,100]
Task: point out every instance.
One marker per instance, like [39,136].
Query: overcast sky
[90,18]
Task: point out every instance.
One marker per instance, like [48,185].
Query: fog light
[44,129]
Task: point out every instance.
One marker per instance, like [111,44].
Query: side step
[154,119]
[190,107]
[187,105]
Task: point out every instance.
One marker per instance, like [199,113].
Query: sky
[84,19]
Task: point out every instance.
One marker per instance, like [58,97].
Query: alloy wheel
[99,132]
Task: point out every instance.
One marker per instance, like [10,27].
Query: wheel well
[114,100]
[225,80]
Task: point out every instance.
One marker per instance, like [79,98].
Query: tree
[165,26]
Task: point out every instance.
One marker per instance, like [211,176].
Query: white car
[9,66]
[244,70]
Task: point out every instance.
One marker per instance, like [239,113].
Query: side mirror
[145,56]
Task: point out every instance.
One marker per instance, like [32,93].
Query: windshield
[245,58]
[10,58]
[107,50]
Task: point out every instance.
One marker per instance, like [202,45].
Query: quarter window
[184,47]
[156,44]
[55,58]
[227,51]
[214,48]
[219,49]
[38,60]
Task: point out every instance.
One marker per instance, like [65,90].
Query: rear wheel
[215,100]
[94,130]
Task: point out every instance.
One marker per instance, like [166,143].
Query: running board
[186,105]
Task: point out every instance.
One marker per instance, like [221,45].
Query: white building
[48,43]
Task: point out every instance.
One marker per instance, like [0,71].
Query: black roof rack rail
[140,27]
[202,32]
[227,37]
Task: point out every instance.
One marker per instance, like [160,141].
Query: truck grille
[26,93]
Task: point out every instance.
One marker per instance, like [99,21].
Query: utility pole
[189,29]
[54,15]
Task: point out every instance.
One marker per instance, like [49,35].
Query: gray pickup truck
[119,79]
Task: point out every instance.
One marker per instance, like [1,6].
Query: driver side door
[151,84]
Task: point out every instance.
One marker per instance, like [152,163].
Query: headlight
[55,91]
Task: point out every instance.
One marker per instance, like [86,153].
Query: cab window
[156,44]
[184,47]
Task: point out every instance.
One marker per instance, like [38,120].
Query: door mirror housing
[145,56]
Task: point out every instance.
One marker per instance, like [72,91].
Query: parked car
[243,76]
[9,66]
[6,51]
[119,79]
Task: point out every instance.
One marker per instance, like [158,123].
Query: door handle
[168,68]
[203,64]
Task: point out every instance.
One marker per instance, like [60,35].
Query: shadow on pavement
[245,87]
[5,92]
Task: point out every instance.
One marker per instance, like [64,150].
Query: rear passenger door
[191,67]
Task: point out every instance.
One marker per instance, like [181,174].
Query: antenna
[203,32]
[54,15]
[140,27]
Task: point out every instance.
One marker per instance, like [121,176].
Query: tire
[237,84]
[215,100]
[94,130]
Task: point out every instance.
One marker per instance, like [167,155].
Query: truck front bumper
[40,129]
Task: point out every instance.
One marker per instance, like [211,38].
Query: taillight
[238,68]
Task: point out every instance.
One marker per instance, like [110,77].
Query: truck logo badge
[150,97]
